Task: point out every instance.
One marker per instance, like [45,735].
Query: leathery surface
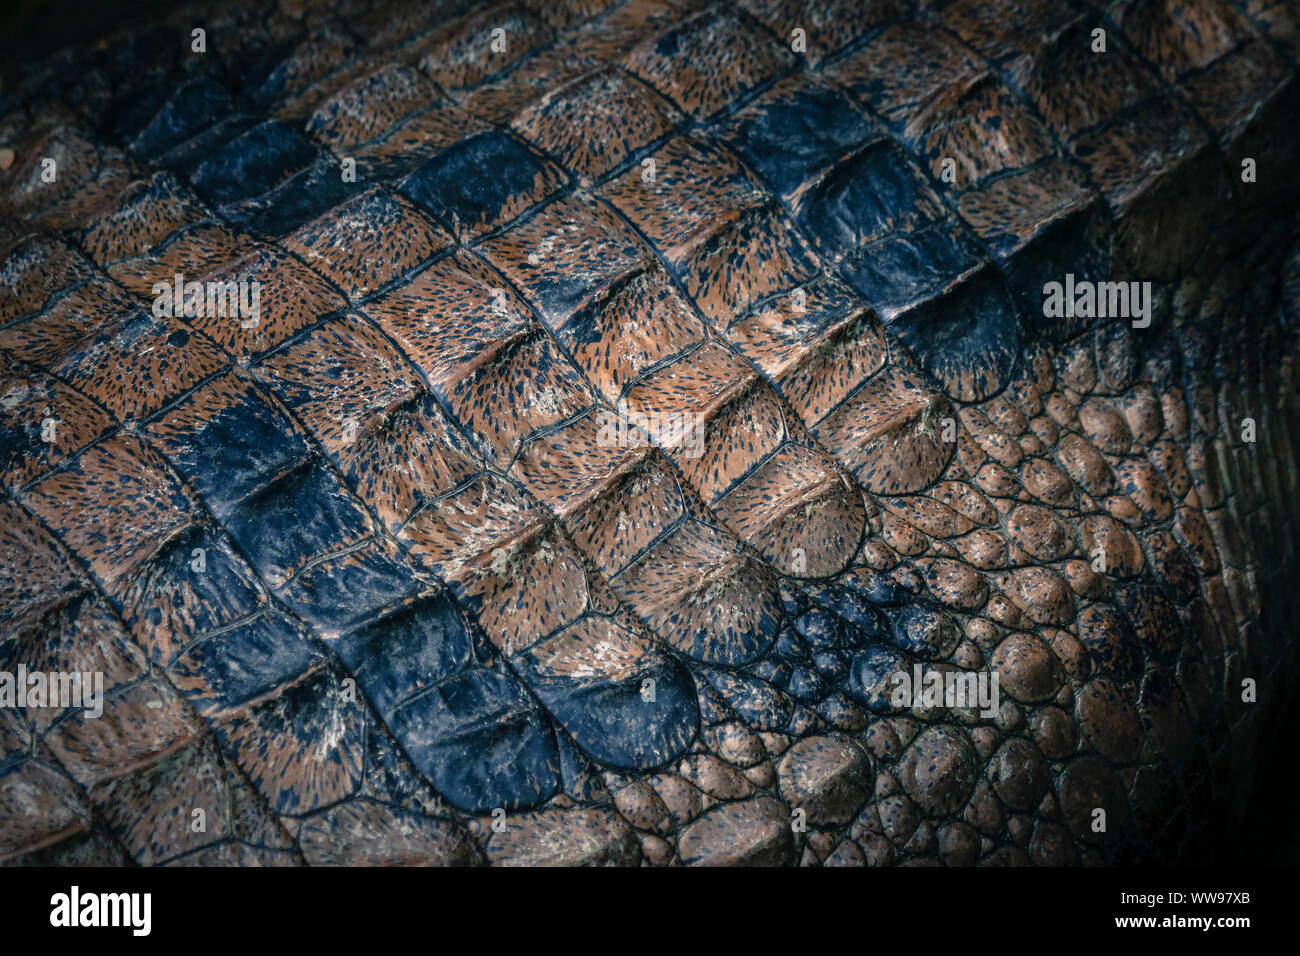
[370,582]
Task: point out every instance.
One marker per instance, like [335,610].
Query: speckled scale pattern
[432,587]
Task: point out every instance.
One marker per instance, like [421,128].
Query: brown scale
[61,813]
[137,367]
[715,57]
[797,503]
[642,399]
[953,583]
[568,14]
[339,391]
[1179,39]
[252,735]
[44,580]
[889,433]
[527,574]
[29,402]
[642,322]
[424,133]
[822,20]
[367,107]
[143,215]
[1098,451]
[596,122]
[694,185]
[754,254]
[139,218]
[83,176]
[592,837]
[263,737]
[479,376]
[291,298]
[929,58]
[747,435]
[574,238]
[192,252]
[955,115]
[549,465]
[313,58]
[584,48]
[352,245]
[38,266]
[642,502]
[702,592]
[455,59]
[1016,34]
[334,77]
[814,367]
[113,507]
[126,735]
[383,28]
[140,807]
[376,834]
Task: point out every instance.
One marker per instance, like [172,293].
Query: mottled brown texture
[895,449]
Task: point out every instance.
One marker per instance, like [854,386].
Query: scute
[627,409]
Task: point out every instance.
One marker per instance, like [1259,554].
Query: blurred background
[31,30]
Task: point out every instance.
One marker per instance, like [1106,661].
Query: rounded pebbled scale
[634,391]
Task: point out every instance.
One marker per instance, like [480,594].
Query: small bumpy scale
[370,583]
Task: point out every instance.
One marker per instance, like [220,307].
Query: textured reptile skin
[429,588]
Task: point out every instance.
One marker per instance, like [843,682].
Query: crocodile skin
[368,581]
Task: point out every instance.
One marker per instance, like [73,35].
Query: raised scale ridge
[600,404]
